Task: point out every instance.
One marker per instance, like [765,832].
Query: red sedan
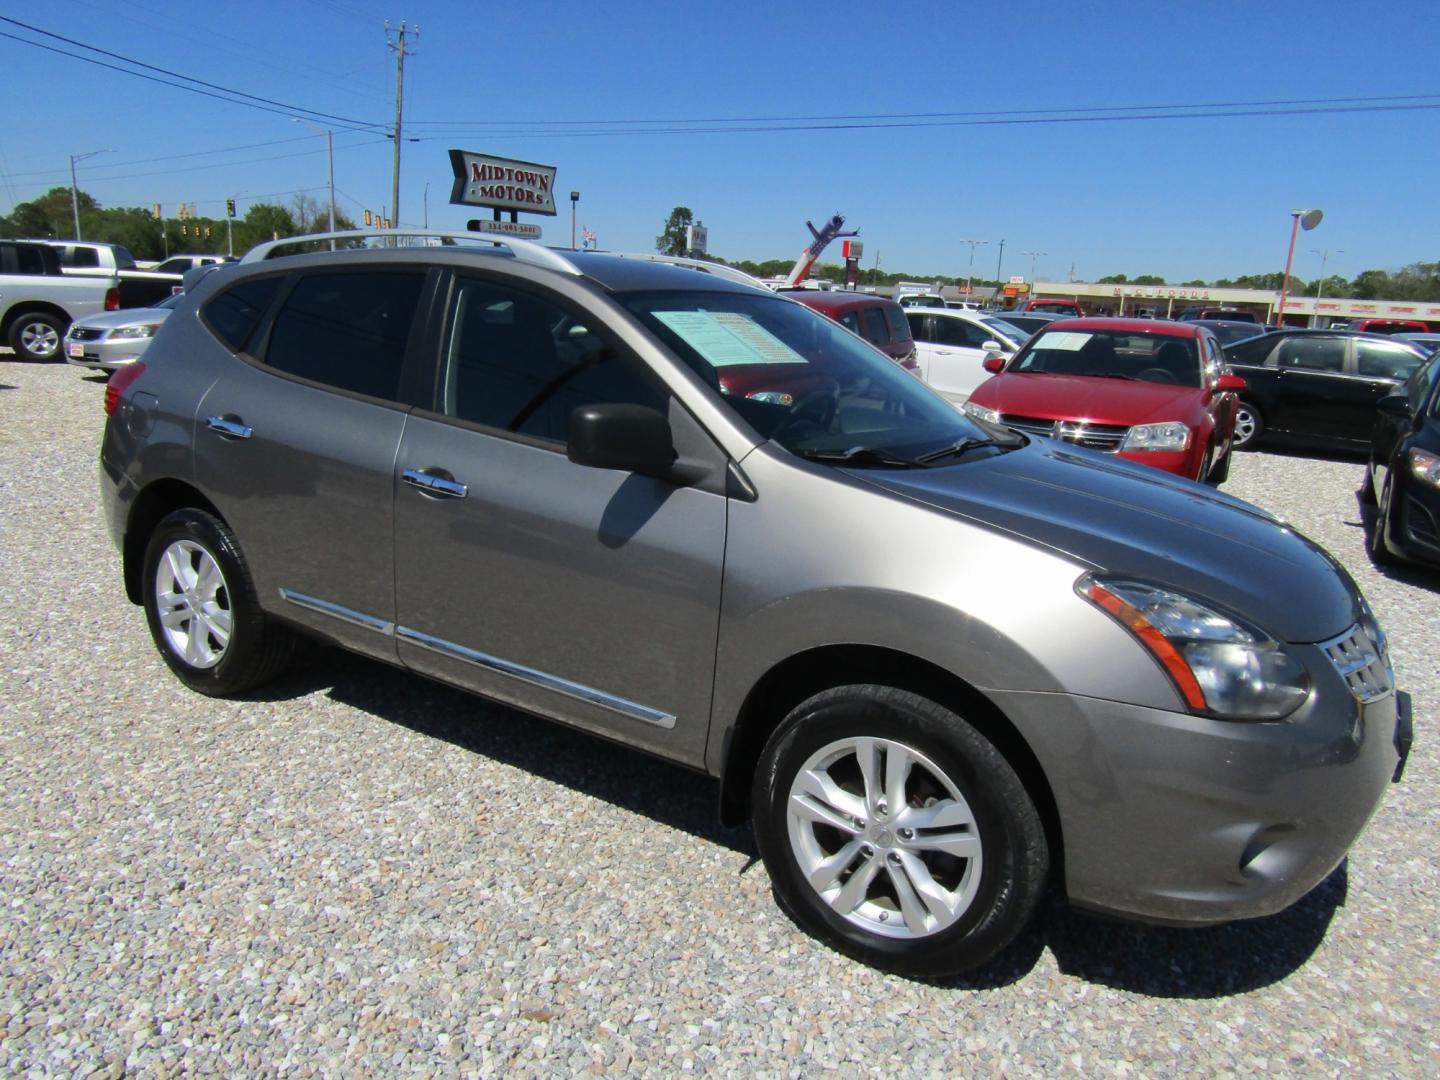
[1155,392]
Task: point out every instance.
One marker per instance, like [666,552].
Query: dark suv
[876,319]
[930,658]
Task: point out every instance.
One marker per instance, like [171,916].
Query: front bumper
[104,355]
[1179,819]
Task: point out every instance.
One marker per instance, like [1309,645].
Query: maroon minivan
[878,320]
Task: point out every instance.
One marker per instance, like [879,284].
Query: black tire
[995,891]
[1247,434]
[38,337]
[1379,525]
[255,648]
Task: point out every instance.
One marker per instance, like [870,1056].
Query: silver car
[939,665]
[116,338]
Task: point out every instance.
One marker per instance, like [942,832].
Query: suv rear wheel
[201,606]
[37,336]
[896,831]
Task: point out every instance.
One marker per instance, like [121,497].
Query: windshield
[799,379]
[1145,357]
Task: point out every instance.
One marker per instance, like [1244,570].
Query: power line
[995,113]
[1009,122]
[93,179]
[282,108]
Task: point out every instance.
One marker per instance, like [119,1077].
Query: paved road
[363,873]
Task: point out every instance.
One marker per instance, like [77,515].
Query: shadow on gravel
[6,386]
[635,781]
[1157,961]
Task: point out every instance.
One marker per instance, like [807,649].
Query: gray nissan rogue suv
[935,662]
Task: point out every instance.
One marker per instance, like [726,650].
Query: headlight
[126,332]
[1426,467]
[979,412]
[1171,435]
[1220,665]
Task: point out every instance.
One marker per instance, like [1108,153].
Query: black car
[1316,386]
[1031,322]
[1229,330]
[1402,479]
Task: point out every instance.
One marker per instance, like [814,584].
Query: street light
[970,276]
[574,202]
[1302,219]
[74,190]
[1320,281]
[330,156]
[998,260]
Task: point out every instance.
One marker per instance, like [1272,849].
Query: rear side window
[233,315]
[347,330]
[1382,360]
[79,257]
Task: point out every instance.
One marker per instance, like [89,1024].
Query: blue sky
[1185,198]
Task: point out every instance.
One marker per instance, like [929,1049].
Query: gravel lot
[364,873]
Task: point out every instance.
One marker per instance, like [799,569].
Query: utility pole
[998,260]
[398,44]
[74,188]
[970,276]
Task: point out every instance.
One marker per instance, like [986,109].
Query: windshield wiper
[858,455]
[960,446]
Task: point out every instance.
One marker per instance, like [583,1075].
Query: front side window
[347,330]
[876,330]
[798,379]
[1312,354]
[1252,352]
[1383,360]
[523,364]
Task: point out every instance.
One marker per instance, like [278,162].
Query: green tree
[1113,279]
[1148,279]
[672,240]
[1370,285]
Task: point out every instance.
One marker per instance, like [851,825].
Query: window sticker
[1066,341]
[727,338]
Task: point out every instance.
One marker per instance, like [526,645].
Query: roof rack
[524,250]
[718,269]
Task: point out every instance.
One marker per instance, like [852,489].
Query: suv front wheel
[201,606]
[895,830]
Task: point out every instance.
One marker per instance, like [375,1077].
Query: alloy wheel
[193,603]
[884,837]
[40,339]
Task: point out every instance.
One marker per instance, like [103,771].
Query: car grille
[1106,437]
[1361,662]
[86,333]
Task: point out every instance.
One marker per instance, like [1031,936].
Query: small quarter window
[233,315]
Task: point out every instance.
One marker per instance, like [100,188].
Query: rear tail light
[120,382]
[112,298]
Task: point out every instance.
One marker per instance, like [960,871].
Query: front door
[585,594]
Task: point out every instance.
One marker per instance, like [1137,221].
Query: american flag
[588,237]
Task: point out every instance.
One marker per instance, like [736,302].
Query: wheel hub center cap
[881,836]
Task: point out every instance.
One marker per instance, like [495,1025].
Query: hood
[1136,522]
[1120,402]
[129,317]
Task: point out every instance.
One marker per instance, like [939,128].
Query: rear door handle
[431,484]
[230,429]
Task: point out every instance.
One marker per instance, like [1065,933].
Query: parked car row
[665,506]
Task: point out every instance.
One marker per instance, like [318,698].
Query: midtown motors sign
[482,180]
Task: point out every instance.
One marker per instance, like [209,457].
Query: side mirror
[993,364]
[1394,405]
[1229,382]
[614,435]
[993,346]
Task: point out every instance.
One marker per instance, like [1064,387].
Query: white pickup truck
[38,302]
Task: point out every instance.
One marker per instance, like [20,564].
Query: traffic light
[368,221]
[230,207]
[182,230]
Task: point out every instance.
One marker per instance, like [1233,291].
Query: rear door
[1316,395]
[956,356]
[586,594]
[297,444]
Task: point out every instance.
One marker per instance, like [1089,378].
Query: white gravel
[363,873]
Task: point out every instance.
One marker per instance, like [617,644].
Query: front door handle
[230,429]
[429,483]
